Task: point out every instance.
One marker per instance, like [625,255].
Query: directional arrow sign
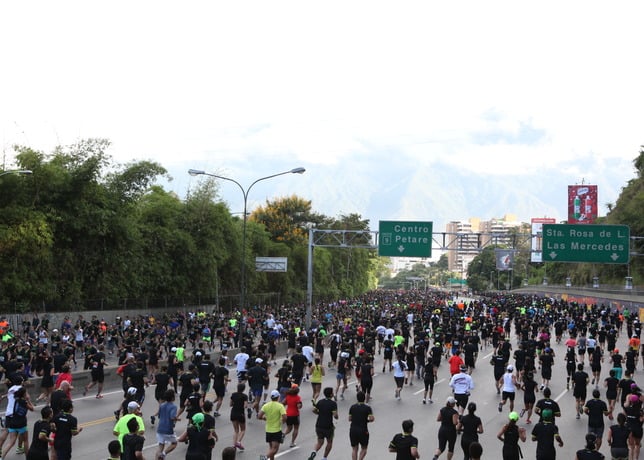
[607,244]
[404,239]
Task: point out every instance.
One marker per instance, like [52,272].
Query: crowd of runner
[198,364]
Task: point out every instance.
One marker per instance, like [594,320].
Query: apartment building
[467,238]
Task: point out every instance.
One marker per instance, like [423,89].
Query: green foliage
[83,231]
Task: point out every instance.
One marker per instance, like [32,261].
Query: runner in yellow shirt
[274,413]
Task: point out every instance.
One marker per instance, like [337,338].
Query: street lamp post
[22,172]
[199,172]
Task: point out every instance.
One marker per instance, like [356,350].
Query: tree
[287,219]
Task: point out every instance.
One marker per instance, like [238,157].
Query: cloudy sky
[352,91]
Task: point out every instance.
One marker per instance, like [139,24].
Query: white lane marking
[561,395]
[290,449]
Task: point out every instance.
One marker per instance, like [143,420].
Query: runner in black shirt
[545,433]
[238,402]
[327,410]
[596,409]
[590,452]
[66,427]
[219,381]
[360,415]
[404,444]
[547,403]
[618,438]
[38,450]
[580,381]
[205,370]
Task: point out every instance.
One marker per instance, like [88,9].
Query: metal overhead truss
[442,241]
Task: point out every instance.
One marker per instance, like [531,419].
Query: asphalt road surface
[97,419]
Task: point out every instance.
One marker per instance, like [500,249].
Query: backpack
[20,408]
[19,417]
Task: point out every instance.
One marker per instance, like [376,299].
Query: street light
[199,172]
[22,172]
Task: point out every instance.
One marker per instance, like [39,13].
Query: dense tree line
[83,232]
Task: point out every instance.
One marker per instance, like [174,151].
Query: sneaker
[239,446]
[431,401]
[341,397]
[216,414]
[152,419]
[263,457]
[522,413]
[578,416]
[85,391]
[20,450]
[293,445]
[500,407]
[498,391]
[249,412]
[312,456]
[424,401]
[117,414]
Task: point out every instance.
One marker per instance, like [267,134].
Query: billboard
[537,238]
[582,204]
[504,259]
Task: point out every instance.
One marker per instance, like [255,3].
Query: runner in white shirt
[309,354]
[240,361]
[509,388]
[461,385]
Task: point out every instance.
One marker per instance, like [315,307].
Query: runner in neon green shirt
[274,413]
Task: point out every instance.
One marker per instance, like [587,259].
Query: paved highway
[96,417]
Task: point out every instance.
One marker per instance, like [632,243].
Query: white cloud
[494,87]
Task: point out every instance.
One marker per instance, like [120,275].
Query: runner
[404,444]
[274,413]
[360,415]
[327,411]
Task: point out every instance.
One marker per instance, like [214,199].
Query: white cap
[275,394]
[344,354]
[510,367]
[132,406]
[197,353]
[259,360]
[131,391]
[173,349]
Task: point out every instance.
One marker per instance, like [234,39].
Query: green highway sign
[404,239]
[606,244]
